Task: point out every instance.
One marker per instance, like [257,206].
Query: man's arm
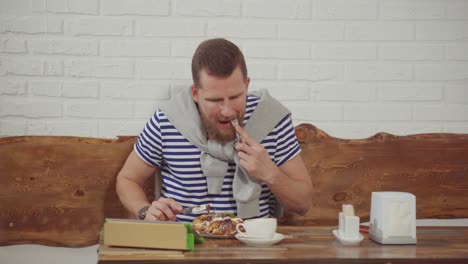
[290,182]
[130,181]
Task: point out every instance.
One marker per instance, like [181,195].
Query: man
[204,157]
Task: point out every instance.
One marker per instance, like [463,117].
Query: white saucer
[260,242]
[347,241]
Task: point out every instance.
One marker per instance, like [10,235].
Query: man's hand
[254,158]
[164,209]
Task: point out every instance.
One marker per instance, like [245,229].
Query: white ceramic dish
[258,242]
[346,241]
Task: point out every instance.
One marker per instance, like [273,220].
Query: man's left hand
[254,158]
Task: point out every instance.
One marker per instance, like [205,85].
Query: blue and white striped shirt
[161,145]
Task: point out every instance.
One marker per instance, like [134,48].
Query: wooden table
[308,245]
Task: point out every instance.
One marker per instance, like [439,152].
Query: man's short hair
[218,57]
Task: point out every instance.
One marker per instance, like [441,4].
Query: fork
[235,123]
[197,209]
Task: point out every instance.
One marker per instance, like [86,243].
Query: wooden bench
[57,191]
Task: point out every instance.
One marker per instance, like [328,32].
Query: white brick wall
[351,67]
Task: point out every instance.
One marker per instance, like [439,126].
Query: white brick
[144,110]
[12,87]
[100,68]
[411,92]
[457,52]
[442,30]
[3,66]
[411,128]
[33,25]
[346,52]
[53,68]
[101,109]
[81,89]
[16,7]
[286,9]
[164,69]
[57,6]
[221,8]
[236,29]
[170,28]
[310,71]
[101,27]
[12,45]
[63,128]
[135,7]
[135,48]
[377,112]
[411,52]
[184,47]
[380,31]
[456,93]
[457,9]
[348,131]
[283,91]
[73,6]
[112,129]
[136,90]
[178,85]
[10,128]
[441,72]
[461,128]
[31,108]
[315,112]
[345,91]
[378,72]
[83,6]
[346,9]
[312,31]
[261,70]
[24,66]
[45,88]
[67,89]
[412,9]
[277,49]
[64,46]
[441,112]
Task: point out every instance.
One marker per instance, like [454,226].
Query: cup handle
[239,231]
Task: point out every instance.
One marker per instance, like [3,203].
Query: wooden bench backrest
[434,167]
[58,190]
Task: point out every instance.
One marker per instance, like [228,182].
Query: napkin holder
[393,218]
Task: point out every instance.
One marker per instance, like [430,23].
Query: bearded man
[215,143]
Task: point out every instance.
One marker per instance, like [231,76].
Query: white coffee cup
[262,228]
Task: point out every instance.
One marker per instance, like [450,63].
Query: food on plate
[217,224]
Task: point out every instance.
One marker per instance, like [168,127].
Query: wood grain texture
[58,190]
[434,167]
[308,244]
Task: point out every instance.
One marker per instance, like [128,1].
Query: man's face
[219,101]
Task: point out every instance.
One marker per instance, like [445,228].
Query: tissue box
[393,218]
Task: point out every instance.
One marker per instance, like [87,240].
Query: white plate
[347,241]
[259,242]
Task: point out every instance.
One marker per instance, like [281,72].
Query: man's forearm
[131,195]
[293,194]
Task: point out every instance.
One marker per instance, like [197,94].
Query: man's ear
[247,82]
[194,93]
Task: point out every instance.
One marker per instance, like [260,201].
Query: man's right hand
[164,209]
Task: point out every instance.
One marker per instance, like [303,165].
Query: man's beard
[221,136]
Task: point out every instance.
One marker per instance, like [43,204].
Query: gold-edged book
[149,234]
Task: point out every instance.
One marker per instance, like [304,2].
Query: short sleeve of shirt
[149,144]
[287,145]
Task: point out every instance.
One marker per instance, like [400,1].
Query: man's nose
[227,110]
